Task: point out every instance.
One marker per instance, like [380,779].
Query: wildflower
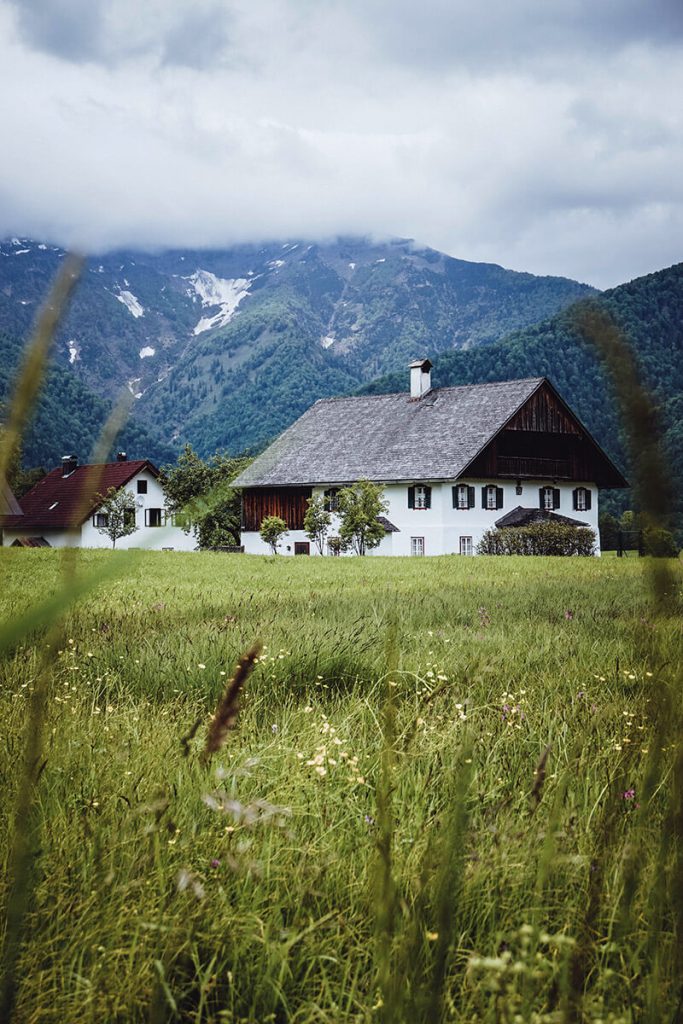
[431,936]
[569,615]
[215,863]
[273,728]
[369,820]
[628,794]
[201,665]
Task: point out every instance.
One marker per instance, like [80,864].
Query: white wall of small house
[441,526]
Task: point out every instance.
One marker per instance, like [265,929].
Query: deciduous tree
[359,507]
[119,509]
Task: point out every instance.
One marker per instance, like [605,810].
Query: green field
[453,791]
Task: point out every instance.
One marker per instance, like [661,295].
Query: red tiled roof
[65,502]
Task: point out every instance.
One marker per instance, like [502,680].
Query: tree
[272,529]
[317,522]
[359,507]
[118,508]
[200,491]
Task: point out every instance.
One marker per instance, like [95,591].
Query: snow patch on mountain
[131,303]
[74,352]
[327,341]
[146,352]
[224,292]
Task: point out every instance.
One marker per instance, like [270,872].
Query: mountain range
[225,348]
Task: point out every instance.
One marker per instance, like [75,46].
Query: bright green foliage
[359,507]
[199,489]
[538,539]
[119,508]
[272,529]
[317,522]
[514,885]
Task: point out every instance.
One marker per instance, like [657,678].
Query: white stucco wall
[442,526]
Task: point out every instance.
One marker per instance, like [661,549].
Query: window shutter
[483,497]
[588,499]
[471,497]
[454,491]
[428,497]
[575,498]
[411,497]
[556,497]
[499,497]
[541,502]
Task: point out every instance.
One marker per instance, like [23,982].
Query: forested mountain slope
[69,417]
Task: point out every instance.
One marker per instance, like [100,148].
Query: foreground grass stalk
[25,829]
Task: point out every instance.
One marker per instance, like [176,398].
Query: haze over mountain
[225,348]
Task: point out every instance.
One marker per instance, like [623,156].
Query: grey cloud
[199,40]
[71,29]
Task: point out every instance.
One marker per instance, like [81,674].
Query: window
[142,487]
[462,498]
[465,545]
[100,519]
[417,545]
[420,496]
[582,499]
[491,497]
[332,499]
[153,517]
[549,498]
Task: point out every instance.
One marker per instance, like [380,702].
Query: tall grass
[255,891]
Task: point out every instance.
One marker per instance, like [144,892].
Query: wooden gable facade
[544,440]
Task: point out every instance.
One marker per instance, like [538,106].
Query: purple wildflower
[629,794]
[215,863]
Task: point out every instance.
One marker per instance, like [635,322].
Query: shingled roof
[389,437]
[528,516]
[65,502]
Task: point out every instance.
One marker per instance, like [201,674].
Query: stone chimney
[69,464]
[121,457]
[420,378]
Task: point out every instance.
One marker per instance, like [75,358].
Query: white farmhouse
[454,462]
[62,509]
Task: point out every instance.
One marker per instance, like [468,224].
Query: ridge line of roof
[432,391]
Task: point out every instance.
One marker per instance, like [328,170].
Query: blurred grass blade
[36,357]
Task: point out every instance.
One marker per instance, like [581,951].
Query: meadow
[452,792]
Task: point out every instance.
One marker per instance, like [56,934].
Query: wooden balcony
[541,469]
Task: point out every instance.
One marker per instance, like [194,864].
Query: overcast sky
[545,135]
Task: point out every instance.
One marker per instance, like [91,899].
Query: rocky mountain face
[226,348]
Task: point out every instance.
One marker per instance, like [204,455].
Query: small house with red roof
[64,508]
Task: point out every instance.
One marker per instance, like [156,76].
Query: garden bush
[538,539]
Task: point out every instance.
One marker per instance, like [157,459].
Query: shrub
[272,529]
[538,539]
[659,543]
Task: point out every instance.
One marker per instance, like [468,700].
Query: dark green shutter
[471,497]
[541,494]
[483,497]
[556,497]
[411,497]
[499,497]
[428,497]
[588,500]
[575,498]
[454,491]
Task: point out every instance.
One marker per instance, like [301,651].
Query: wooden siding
[544,413]
[289,503]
